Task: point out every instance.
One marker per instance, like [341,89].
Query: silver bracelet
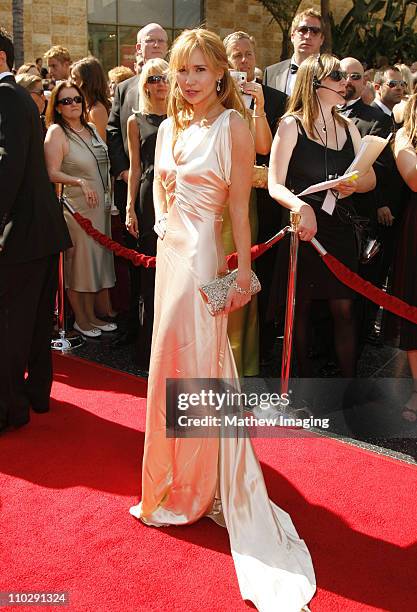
[241,290]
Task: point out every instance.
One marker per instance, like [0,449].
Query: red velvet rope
[138,259]
[346,276]
[358,284]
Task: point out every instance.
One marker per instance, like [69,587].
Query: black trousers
[120,200]
[27,301]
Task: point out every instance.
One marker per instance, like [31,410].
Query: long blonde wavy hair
[214,52]
[410,120]
[304,102]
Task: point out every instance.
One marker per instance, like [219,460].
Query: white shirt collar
[384,108]
[5,74]
[352,102]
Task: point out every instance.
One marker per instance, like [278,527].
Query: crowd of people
[171,154]
[100,136]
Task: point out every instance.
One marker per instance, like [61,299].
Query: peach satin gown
[186,479]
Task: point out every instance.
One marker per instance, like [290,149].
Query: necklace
[78,131]
[203,122]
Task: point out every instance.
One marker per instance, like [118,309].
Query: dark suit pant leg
[27,293]
[146,302]
[39,381]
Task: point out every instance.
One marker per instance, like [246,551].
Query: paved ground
[367,414]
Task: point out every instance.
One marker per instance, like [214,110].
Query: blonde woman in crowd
[142,130]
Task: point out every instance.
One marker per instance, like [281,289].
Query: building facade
[107,28]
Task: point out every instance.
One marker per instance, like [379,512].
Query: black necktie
[293,68]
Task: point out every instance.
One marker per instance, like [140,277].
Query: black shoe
[40,409]
[13,427]
[125,340]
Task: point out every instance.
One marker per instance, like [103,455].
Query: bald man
[151,42]
[368,120]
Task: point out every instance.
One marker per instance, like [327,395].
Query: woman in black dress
[404,284]
[142,129]
[314,143]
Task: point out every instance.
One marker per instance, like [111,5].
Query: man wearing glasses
[368,119]
[307,38]
[152,42]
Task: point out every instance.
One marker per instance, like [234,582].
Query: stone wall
[50,22]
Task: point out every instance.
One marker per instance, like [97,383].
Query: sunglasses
[393,83]
[38,92]
[337,75]
[157,78]
[354,76]
[312,29]
[68,101]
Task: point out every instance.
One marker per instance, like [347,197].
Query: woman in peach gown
[204,158]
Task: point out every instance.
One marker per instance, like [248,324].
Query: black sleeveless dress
[404,281]
[335,232]
[148,129]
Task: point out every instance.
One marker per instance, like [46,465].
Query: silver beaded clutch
[215,292]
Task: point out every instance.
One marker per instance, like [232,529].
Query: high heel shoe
[106,327]
[409,414]
[89,333]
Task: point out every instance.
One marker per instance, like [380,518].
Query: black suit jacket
[27,196]
[275,102]
[269,211]
[390,188]
[126,98]
[369,120]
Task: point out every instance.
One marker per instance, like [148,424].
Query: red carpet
[68,479]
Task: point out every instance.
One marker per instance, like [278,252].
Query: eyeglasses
[38,92]
[393,83]
[354,76]
[337,75]
[315,30]
[157,78]
[155,41]
[68,101]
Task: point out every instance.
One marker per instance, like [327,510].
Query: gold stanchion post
[290,305]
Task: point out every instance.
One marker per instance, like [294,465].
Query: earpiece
[316,83]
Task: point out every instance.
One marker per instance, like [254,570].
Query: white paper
[329,203]
[326,184]
[369,151]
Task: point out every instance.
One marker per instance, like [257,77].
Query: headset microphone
[317,85]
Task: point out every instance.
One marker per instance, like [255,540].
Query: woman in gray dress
[77,158]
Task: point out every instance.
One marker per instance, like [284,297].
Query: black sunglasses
[337,75]
[393,83]
[68,101]
[312,29]
[354,76]
[157,78]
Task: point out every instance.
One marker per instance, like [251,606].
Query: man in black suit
[307,37]
[268,106]
[29,257]
[152,42]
